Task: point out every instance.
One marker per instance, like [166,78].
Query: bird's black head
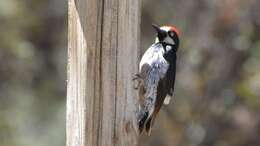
[167,35]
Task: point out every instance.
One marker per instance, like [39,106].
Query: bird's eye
[171,34]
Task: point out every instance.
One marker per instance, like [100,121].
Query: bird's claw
[136,77]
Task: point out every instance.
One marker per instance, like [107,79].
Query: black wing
[170,75]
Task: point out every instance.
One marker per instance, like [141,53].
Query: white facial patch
[156,40]
[171,34]
[168,39]
[168,48]
[165,28]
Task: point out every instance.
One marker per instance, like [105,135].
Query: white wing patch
[157,68]
[167,99]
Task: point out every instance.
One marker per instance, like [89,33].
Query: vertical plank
[76,80]
[108,77]
[127,54]
[103,50]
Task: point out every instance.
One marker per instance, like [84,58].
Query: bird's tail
[142,119]
[145,120]
[148,126]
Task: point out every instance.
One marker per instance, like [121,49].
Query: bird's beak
[160,33]
[157,28]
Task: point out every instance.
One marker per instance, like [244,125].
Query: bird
[156,75]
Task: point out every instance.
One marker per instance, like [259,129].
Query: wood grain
[103,51]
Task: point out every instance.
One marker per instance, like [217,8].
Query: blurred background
[33,49]
[217,95]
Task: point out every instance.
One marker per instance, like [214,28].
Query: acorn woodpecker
[156,75]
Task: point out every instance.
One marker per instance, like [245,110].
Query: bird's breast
[154,57]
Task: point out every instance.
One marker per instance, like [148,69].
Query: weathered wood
[103,50]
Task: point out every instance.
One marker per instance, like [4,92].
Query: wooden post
[103,51]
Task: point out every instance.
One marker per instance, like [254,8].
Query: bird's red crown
[173,28]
